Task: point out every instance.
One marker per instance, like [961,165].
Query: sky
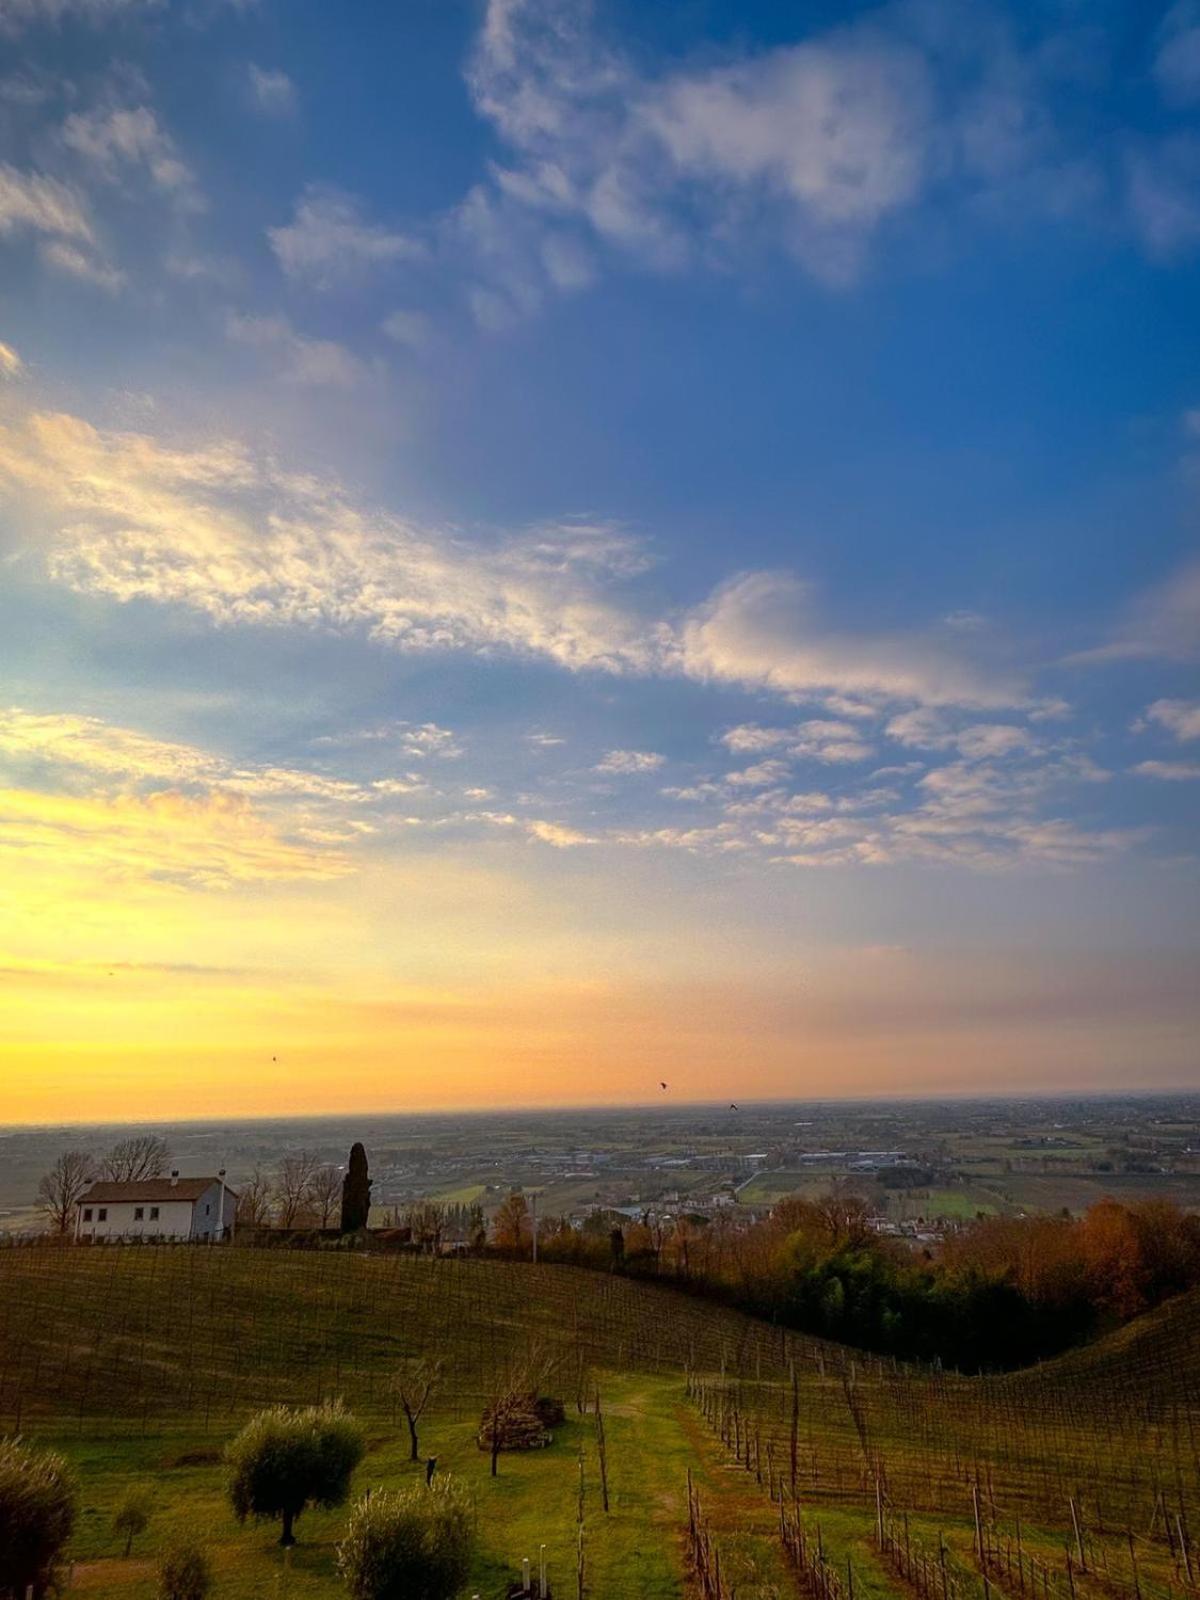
[547,547]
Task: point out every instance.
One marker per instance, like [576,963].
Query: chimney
[174,1176]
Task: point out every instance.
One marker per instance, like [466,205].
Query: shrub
[409,1544]
[37,1514]
[184,1573]
[132,1516]
[284,1460]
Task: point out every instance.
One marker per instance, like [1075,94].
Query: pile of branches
[519,1420]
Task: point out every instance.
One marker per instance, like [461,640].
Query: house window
[208,1211]
[87,1213]
[138,1213]
[102,1214]
[153,1213]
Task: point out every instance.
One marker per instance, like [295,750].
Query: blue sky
[722,478]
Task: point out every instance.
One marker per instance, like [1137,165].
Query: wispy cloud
[313,363]
[18,13]
[233,535]
[68,258]
[330,240]
[1169,771]
[1163,624]
[31,202]
[761,629]
[811,147]
[1180,717]
[214,842]
[117,141]
[630,761]
[271,91]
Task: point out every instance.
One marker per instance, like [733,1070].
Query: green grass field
[139,1363]
[635,1548]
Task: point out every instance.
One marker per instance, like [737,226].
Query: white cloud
[59,742]
[558,835]
[1177,59]
[16,13]
[810,147]
[232,535]
[408,328]
[30,202]
[1169,771]
[1162,624]
[1164,204]
[11,365]
[272,91]
[120,139]
[760,630]
[329,240]
[818,739]
[1180,717]
[314,363]
[630,761]
[760,775]
[66,257]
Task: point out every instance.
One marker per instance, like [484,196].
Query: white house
[158,1208]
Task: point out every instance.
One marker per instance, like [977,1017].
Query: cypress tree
[356,1192]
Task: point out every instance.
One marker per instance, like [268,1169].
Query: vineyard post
[1078,1534]
[1183,1545]
[1137,1587]
[796,1423]
[603,1454]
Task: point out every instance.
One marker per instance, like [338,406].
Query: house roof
[151,1189]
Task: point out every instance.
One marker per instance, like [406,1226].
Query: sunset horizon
[545,549]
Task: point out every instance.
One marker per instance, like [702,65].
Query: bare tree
[413,1389]
[144,1156]
[427,1220]
[293,1187]
[325,1192]
[60,1189]
[254,1201]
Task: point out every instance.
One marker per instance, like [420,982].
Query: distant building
[158,1208]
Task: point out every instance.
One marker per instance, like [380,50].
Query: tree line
[1001,1292]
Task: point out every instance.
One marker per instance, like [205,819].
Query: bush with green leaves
[414,1543]
[37,1514]
[132,1515]
[284,1460]
[184,1573]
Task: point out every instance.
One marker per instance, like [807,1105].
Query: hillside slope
[1084,1472]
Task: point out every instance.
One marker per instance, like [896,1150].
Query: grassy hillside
[139,1363]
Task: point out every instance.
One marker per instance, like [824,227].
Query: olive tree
[184,1573]
[284,1460]
[37,1514]
[132,1516]
[414,1543]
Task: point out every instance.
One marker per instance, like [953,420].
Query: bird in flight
[661,1084]
[732,1107]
